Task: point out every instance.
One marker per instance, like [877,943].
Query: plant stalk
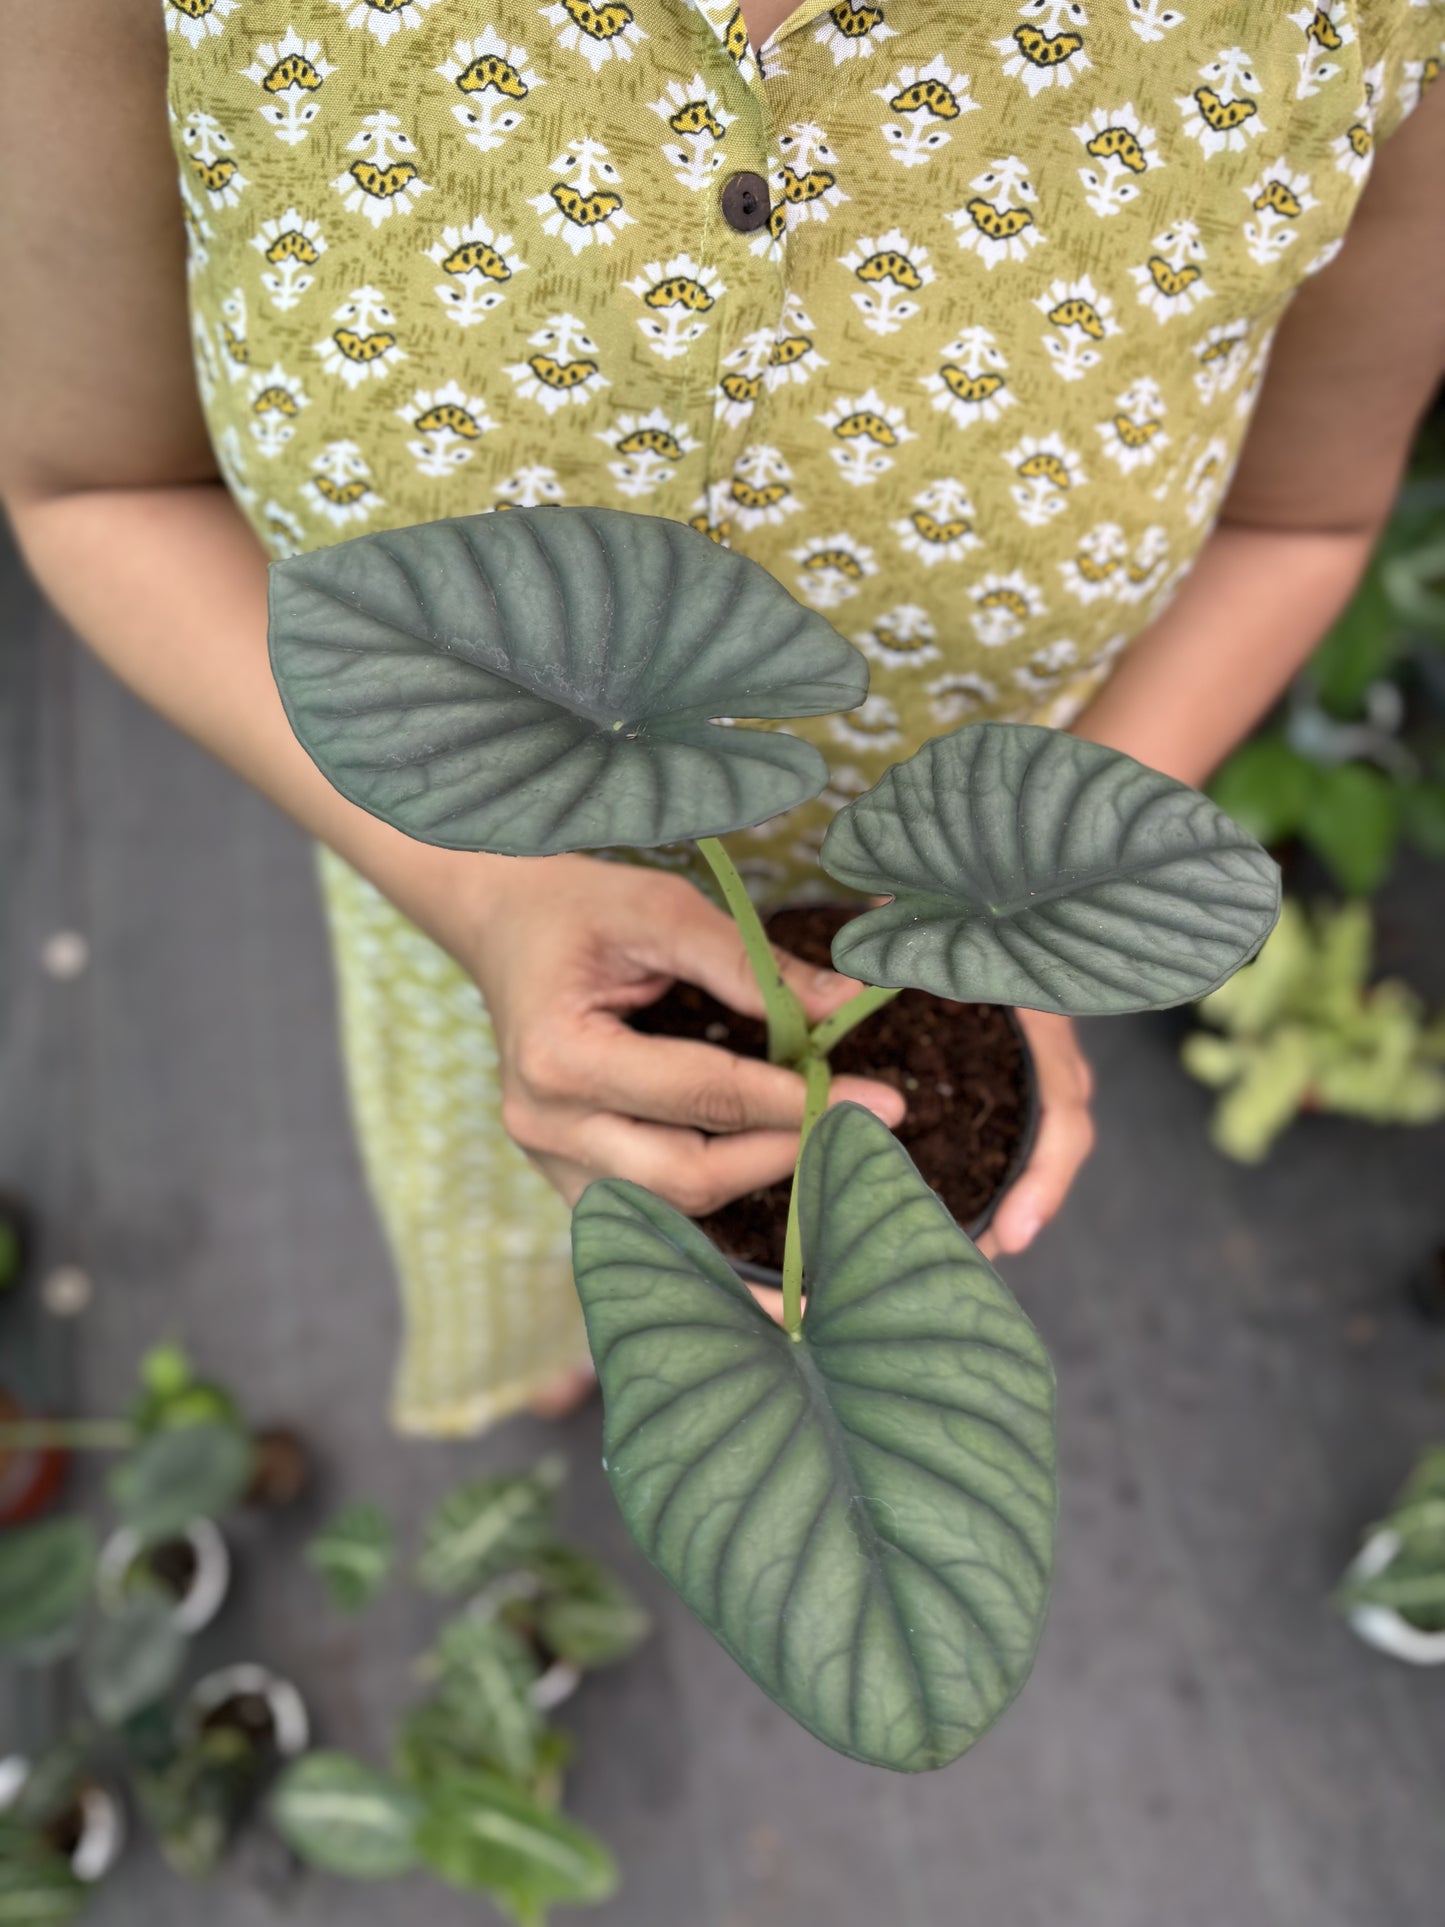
[787,1022]
[848,1016]
[815,1102]
[80,1435]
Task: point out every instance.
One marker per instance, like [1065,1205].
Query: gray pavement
[1242,1385]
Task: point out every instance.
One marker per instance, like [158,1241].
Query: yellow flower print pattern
[973,386]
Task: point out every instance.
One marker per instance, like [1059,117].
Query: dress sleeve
[1403,43]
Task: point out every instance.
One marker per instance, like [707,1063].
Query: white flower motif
[969,383]
[564,371]
[383,18]
[1223,355]
[954,698]
[339,485]
[1223,114]
[1047,470]
[1044,667]
[891,270]
[1151,19]
[996,223]
[1171,282]
[678,295]
[1327,29]
[274,400]
[583,204]
[940,525]
[479,263]
[1083,317]
[923,101]
[648,446]
[290,244]
[831,568]
[1096,568]
[490,73]
[1206,480]
[209,148]
[1279,198]
[381,184]
[448,421]
[1048,50]
[197,18]
[873,725]
[865,430]
[365,345]
[1124,150]
[290,72]
[1004,606]
[281,530]
[903,638]
[597,49]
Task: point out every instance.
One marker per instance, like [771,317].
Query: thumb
[702,945]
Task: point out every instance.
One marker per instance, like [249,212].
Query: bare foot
[564,1393]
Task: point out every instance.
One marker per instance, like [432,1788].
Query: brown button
[745,201]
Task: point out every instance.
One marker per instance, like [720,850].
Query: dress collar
[724,19]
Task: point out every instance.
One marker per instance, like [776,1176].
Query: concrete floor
[1203,1744]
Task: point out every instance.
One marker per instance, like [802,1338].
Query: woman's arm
[1357,359]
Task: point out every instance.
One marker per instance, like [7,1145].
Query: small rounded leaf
[1028,866]
[549,679]
[345,1818]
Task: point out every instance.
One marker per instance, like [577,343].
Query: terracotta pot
[31,1478]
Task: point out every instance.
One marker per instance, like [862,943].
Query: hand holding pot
[1065,1139]
[565,948]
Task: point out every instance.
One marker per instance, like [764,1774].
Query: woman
[955,318]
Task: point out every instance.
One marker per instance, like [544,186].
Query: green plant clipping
[346,1818]
[585,1614]
[180,1473]
[1413,1583]
[486,1678]
[354,1555]
[132,1659]
[529,683]
[481,1834]
[487,1525]
[37,1887]
[863,1517]
[46,1573]
[1031,867]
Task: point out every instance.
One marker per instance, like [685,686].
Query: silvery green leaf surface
[343,1816]
[863,1517]
[480,1833]
[46,1573]
[354,1555]
[181,1473]
[486,1684]
[536,680]
[487,1524]
[1030,867]
[132,1658]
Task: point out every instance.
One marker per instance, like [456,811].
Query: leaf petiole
[832,1030]
[787,1021]
[815,1102]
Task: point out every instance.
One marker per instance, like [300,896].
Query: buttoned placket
[755,279]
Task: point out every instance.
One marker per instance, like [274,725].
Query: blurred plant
[187,1457]
[476,1781]
[1355,764]
[1301,1030]
[1407,1574]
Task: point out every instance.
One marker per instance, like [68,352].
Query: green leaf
[346,1818]
[1030,867]
[484,1526]
[1416,585]
[487,1676]
[1422,816]
[1361,647]
[863,1517]
[585,1614]
[480,1834]
[354,1555]
[178,1474]
[1353,822]
[132,1658]
[37,1888]
[542,680]
[46,1573]
[1266,787]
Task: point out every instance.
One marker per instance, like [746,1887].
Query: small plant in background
[1355,763]
[1302,1029]
[1394,1592]
[124,1614]
[860,1506]
[475,1780]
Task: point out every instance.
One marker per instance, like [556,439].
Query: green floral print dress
[951,316]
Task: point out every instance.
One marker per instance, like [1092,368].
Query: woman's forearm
[1248,615]
[168,587]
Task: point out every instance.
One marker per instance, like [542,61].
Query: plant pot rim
[102,1818]
[1382,1626]
[766,1274]
[560,1679]
[201,1601]
[291,1724]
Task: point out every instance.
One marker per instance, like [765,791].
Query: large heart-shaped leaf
[1028,866]
[133,1658]
[863,1516]
[543,680]
[346,1818]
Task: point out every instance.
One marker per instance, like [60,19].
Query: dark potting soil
[248,1714]
[281,1467]
[959,1066]
[172,1564]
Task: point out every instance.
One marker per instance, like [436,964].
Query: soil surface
[173,1564]
[961,1068]
[248,1714]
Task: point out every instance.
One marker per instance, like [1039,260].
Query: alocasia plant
[860,1505]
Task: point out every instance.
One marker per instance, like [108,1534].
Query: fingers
[1066,1132]
[696,1174]
[701,944]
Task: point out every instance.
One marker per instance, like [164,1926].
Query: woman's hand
[1065,1139]
[562,950]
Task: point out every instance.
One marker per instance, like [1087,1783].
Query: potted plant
[475,1784]
[62,1828]
[1393,1592]
[860,1506]
[1302,1029]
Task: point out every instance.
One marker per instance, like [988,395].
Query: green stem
[848,1016]
[815,1102]
[787,1021]
[81,1435]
